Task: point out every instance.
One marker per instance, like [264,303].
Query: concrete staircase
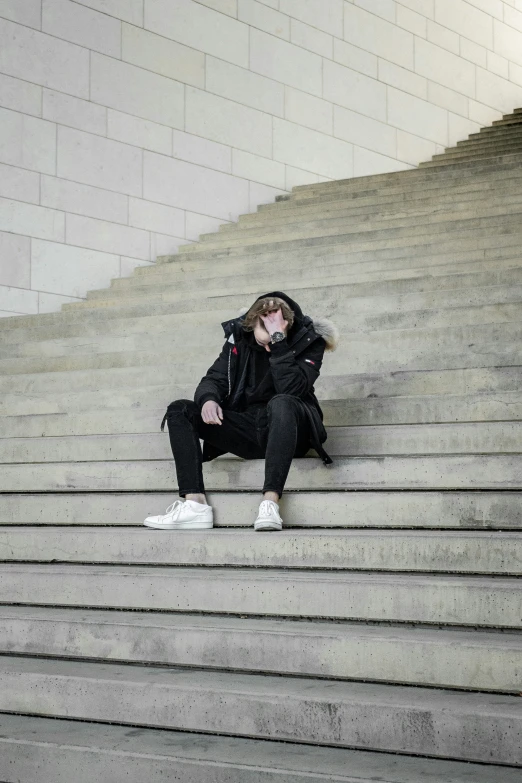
[378,637]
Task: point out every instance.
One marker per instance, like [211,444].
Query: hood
[322,326]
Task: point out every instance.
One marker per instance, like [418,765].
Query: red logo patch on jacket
[234,350]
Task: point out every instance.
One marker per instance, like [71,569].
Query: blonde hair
[263,307]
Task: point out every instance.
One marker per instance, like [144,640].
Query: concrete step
[485,601]
[451,316]
[434,241]
[304,284]
[111,413]
[450,159]
[507,141]
[375,283]
[426,355]
[360,319]
[406,179]
[424,409]
[464,726]
[478,150]
[445,658]
[501,154]
[464,157]
[386,473]
[324,299]
[331,224]
[489,157]
[341,266]
[350,385]
[459,190]
[59,749]
[192,329]
[404,229]
[475,245]
[353,267]
[437,183]
[508,119]
[336,509]
[492,181]
[401,181]
[490,344]
[488,135]
[129,399]
[380,313]
[384,207]
[503,437]
[469,552]
[492,131]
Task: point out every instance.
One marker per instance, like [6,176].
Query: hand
[274,322]
[211,412]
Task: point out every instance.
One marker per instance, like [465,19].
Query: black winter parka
[295,363]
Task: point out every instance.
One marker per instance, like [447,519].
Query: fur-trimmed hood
[323,326]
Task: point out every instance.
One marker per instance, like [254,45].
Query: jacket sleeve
[296,375]
[214,385]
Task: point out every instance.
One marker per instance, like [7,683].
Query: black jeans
[277,431]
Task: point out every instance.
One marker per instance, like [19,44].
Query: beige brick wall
[130,127]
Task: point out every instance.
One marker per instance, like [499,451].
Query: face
[260,332]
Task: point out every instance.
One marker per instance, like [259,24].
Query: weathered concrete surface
[467,246]
[455,203]
[496,304]
[435,259]
[441,599]
[370,550]
[423,405]
[58,751]
[364,352]
[422,357]
[452,218]
[407,440]
[392,276]
[452,510]
[471,380]
[464,726]
[446,324]
[395,654]
[389,473]
[104,412]
[370,284]
[375,236]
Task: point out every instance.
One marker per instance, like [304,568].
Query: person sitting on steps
[257,400]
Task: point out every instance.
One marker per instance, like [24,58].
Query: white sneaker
[183,515]
[268,517]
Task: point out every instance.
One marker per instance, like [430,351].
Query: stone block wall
[130,127]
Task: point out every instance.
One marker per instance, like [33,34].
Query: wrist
[279,348]
[277,338]
[208,398]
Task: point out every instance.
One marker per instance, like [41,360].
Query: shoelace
[268,507]
[174,508]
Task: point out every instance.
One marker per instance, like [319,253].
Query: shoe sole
[267,526]
[181,526]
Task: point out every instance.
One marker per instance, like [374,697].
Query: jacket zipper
[229,383]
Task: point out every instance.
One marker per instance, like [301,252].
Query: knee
[282,403]
[181,407]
